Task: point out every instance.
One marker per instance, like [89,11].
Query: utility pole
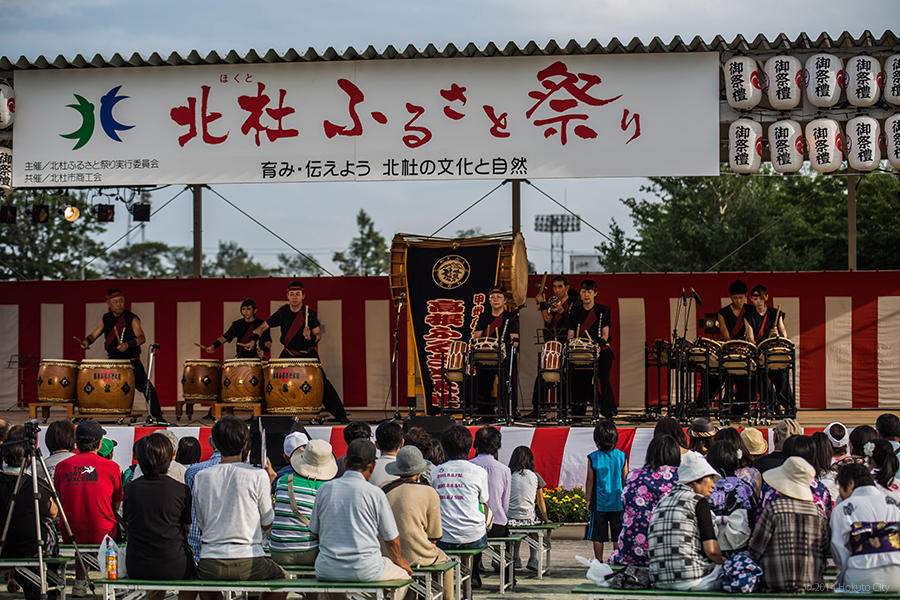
[198,230]
[516,206]
[851,221]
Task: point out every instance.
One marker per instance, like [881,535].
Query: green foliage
[233,261]
[298,264]
[56,249]
[368,252]
[734,222]
[566,505]
[148,259]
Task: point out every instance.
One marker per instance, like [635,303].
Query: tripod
[32,451]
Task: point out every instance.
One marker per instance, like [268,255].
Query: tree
[141,261]
[56,249]
[233,261]
[368,252]
[298,264]
[617,254]
[468,233]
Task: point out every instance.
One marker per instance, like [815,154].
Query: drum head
[519,275]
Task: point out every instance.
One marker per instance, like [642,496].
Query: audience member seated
[291,541]
[421,439]
[732,501]
[883,464]
[839,436]
[888,428]
[90,490]
[684,553]
[295,441]
[487,445]
[189,451]
[700,435]
[107,449]
[783,431]
[644,488]
[21,537]
[355,430]
[233,505]
[176,470]
[388,440]
[351,516]
[803,447]
[462,487]
[526,498]
[157,513]
[822,461]
[671,426]
[607,469]
[791,537]
[60,441]
[756,445]
[189,475]
[865,534]
[417,511]
[859,437]
[745,469]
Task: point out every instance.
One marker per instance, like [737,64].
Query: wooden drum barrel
[201,379]
[294,385]
[105,386]
[242,380]
[56,380]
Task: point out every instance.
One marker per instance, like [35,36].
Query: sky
[319,218]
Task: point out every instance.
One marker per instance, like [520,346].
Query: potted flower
[568,507]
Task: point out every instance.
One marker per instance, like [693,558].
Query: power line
[438,230]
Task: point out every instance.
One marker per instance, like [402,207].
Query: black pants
[145,387]
[485,403]
[583,391]
[330,398]
[494,532]
[780,391]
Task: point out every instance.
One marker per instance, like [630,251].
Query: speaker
[276,429]
[435,426]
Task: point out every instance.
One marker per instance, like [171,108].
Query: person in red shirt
[90,489]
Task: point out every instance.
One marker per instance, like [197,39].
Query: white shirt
[866,504]
[462,488]
[53,460]
[522,493]
[176,471]
[379,475]
[232,502]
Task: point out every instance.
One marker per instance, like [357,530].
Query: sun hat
[316,461]
[294,440]
[409,462]
[792,478]
[838,442]
[787,428]
[754,440]
[701,428]
[694,467]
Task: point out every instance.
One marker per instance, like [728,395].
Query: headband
[497,290]
[295,286]
[114,295]
[837,443]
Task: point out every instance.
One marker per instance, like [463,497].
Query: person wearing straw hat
[311,465]
[791,537]
[417,511]
[684,552]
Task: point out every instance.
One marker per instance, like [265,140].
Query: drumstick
[77,339]
[775,325]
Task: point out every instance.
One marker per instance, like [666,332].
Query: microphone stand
[686,404]
[395,363]
[509,421]
[675,347]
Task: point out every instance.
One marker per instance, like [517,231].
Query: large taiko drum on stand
[551,361]
[488,351]
[455,361]
[738,357]
[242,380]
[581,351]
[105,386]
[294,385]
[56,380]
[705,353]
[201,380]
[776,353]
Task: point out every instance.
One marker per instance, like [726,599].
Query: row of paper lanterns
[821,140]
[822,77]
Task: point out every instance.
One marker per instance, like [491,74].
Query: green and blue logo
[108,123]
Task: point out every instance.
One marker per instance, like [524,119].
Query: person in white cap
[295,440]
[684,552]
[791,537]
[291,542]
[864,534]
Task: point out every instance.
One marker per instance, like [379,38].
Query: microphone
[696,297]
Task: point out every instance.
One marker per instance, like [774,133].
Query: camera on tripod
[31,431]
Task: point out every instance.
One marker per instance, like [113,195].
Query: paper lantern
[744,146]
[784,75]
[7,105]
[742,85]
[823,138]
[892,140]
[864,80]
[823,77]
[786,146]
[5,170]
[863,137]
[892,79]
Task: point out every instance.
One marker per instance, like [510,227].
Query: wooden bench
[45,409]
[463,575]
[593,592]
[135,588]
[29,569]
[427,580]
[88,553]
[501,550]
[540,542]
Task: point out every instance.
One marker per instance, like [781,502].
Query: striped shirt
[290,534]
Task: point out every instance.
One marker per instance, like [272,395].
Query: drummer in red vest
[593,321]
[123,338]
[242,331]
[496,323]
[300,334]
[730,320]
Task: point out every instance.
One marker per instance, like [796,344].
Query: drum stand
[684,401]
[510,416]
[567,416]
[150,419]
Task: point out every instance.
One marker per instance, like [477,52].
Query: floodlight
[71,213]
[40,213]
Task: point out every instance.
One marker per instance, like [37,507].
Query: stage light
[8,213]
[40,213]
[141,212]
[71,213]
[106,212]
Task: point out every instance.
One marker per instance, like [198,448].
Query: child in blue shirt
[607,468]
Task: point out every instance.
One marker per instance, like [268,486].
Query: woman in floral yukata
[803,447]
[732,502]
[644,488]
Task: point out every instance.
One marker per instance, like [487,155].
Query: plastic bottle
[112,566]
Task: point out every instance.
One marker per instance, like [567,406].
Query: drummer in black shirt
[242,331]
[555,313]
[730,319]
[760,323]
[123,338]
[593,321]
[495,323]
[300,334]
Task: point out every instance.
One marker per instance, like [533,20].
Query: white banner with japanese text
[473,118]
